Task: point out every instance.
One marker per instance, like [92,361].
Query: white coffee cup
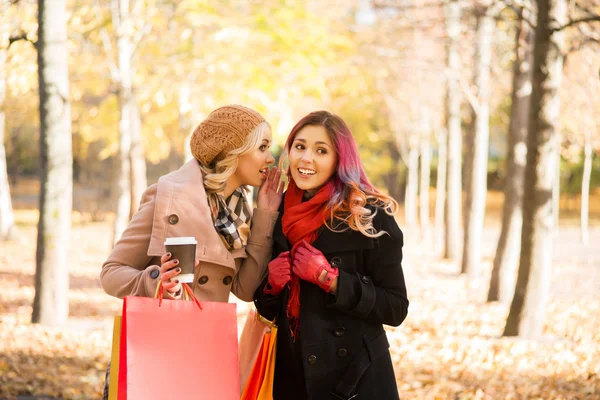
[183,249]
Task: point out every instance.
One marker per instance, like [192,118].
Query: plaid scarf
[231,218]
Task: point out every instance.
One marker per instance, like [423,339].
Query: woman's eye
[262,147]
[299,147]
[322,151]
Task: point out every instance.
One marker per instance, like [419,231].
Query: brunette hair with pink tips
[352,189]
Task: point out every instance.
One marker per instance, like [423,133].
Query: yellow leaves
[448,347]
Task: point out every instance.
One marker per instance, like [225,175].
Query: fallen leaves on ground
[449,347]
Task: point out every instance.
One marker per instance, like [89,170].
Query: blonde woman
[205,199]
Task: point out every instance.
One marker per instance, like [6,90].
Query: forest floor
[449,347]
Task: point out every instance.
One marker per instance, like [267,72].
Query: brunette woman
[336,277]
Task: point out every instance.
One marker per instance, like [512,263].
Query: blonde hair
[215,177]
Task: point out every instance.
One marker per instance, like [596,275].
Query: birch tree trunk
[528,309]
[137,159]
[556,186]
[121,22]
[476,197]
[50,304]
[7,218]
[424,185]
[440,190]
[585,189]
[410,204]
[454,195]
[506,260]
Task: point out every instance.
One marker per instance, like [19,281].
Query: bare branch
[108,49]
[139,36]
[595,18]
[470,95]
[22,36]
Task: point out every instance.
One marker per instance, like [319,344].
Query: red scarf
[301,220]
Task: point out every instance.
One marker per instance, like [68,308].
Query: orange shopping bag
[174,348]
[260,381]
[250,343]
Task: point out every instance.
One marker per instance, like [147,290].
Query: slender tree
[122,26]
[528,308]
[440,188]
[7,219]
[476,195]
[506,259]
[50,305]
[454,154]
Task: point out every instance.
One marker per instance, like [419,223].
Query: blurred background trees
[443,98]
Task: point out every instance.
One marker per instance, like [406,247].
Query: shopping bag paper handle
[187,291]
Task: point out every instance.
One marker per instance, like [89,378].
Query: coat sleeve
[378,296]
[268,305]
[253,268]
[126,271]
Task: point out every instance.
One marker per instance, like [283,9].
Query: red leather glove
[280,273]
[309,263]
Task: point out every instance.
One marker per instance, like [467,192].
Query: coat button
[154,273]
[342,352]
[339,331]
[227,280]
[203,279]
[365,279]
[173,219]
[336,262]
[312,359]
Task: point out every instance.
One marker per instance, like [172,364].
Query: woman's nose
[270,159]
[306,157]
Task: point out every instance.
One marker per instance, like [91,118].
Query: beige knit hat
[225,129]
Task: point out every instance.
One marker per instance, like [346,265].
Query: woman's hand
[280,273]
[311,265]
[168,274]
[271,191]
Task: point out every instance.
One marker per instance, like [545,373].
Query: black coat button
[227,280]
[203,279]
[173,219]
[365,279]
[342,352]
[336,262]
[312,359]
[339,331]
[154,273]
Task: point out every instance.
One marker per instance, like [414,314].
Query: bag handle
[187,292]
[264,320]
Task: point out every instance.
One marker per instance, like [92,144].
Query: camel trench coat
[177,206]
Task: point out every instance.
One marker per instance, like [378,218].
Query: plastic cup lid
[181,240]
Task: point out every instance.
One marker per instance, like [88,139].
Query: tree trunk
[410,204]
[502,282]
[186,126]
[50,304]
[585,190]
[556,186]
[7,218]
[137,159]
[121,23]
[425,184]
[475,207]
[440,190]
[528,309]
[454,197]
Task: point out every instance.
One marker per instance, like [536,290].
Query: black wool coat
[341,350]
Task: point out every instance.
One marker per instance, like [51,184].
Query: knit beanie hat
[225,129]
